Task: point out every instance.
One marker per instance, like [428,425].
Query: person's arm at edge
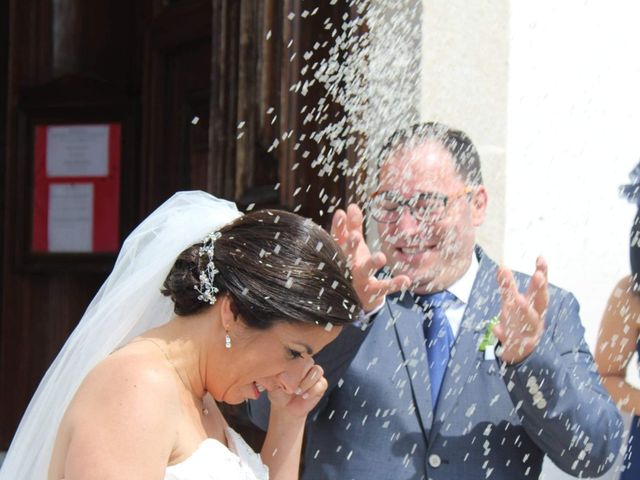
[616,345]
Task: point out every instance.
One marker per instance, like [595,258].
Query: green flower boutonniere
[489,340]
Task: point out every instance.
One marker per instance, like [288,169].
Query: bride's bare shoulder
[128,400]
[122,418]
[134,376]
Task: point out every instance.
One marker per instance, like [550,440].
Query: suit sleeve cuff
[365,318]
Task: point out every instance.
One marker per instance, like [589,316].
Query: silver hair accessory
[206,288]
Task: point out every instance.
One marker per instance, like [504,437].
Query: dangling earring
[227,341]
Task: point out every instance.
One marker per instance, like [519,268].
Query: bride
[203,306]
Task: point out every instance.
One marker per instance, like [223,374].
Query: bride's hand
[307,395]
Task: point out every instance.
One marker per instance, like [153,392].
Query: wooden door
[259,132]
[176,98]
[230,63]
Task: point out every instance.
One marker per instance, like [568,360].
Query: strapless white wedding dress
[213,461]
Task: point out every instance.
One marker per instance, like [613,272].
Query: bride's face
[261,360]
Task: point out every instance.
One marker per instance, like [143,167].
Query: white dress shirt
[454,312]
[461,288]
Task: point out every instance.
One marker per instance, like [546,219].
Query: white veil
[128,303]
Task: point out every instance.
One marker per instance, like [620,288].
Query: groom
[473,372]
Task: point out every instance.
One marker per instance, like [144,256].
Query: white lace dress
[213,461]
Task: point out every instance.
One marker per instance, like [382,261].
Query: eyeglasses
[427,207]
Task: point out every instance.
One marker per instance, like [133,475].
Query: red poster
[76,188]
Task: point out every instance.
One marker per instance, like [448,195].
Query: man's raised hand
[521,315]
[347,229]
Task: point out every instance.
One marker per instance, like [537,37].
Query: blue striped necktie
[438,337]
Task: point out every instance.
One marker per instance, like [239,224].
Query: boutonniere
[489,340]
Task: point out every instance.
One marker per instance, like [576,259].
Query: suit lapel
[407,319]
[484,304]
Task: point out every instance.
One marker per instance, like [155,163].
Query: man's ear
[479,202]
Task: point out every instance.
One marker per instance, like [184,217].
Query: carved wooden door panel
[176,100]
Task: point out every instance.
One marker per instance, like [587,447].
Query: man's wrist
[374,310]
[365,317]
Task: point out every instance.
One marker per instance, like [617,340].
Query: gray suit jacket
[492,421]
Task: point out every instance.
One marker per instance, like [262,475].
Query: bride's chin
[230,397]
[237,398]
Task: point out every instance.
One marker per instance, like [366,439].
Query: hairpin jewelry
[206,288]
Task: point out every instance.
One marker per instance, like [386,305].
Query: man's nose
[407,222]
[290,379]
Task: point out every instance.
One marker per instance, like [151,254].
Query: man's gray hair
[465,155]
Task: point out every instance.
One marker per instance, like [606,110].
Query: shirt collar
[462,287]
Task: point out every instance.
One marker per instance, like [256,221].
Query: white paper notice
[71,217]
[78,151]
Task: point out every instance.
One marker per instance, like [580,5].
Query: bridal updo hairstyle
[276,266]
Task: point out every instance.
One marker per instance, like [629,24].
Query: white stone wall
[464,84]
[573,136]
